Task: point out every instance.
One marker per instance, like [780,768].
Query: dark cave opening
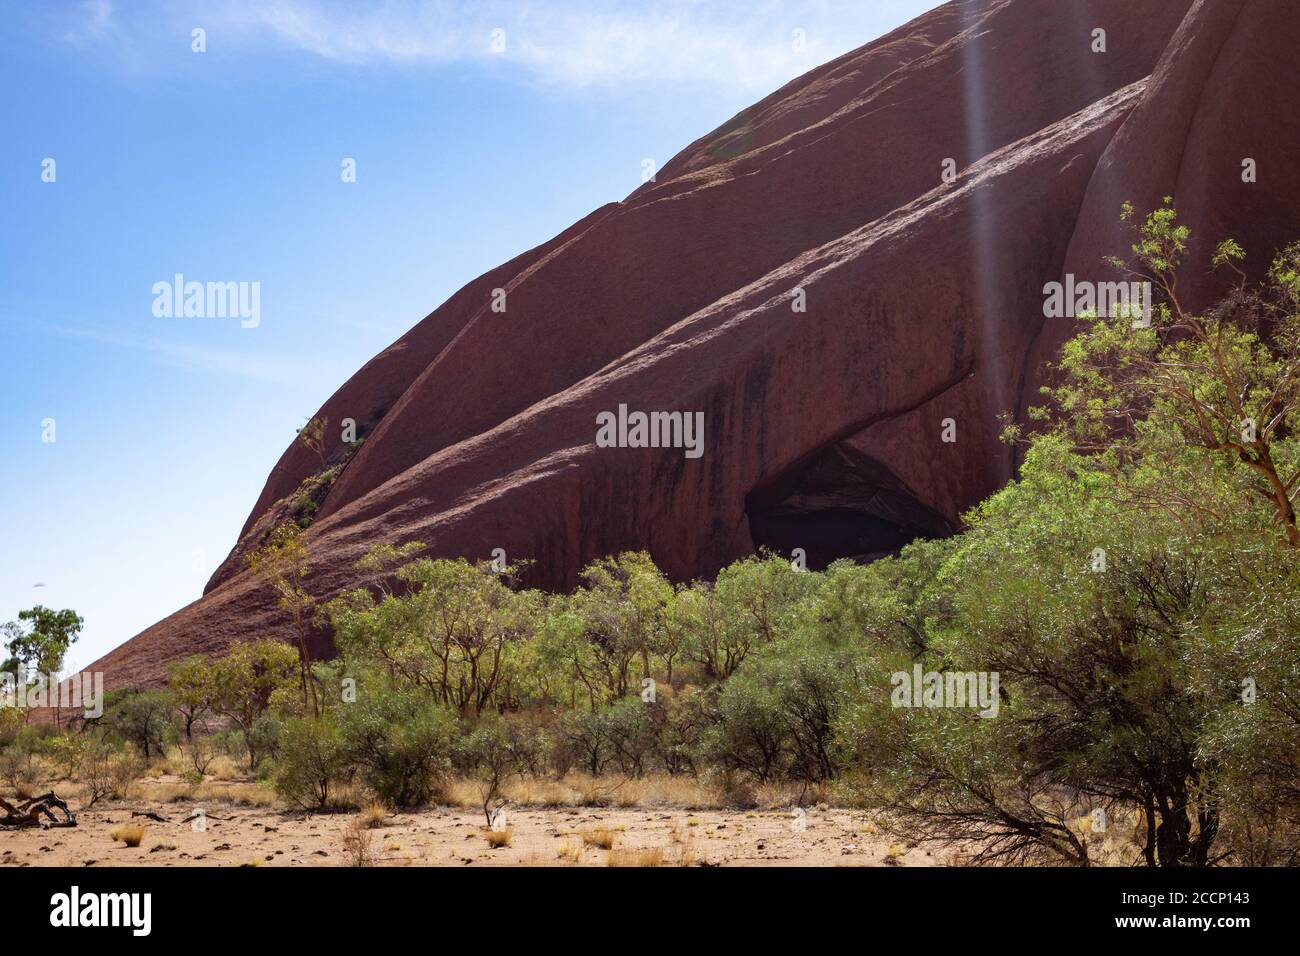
[839,503]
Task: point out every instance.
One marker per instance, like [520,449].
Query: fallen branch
[206,816]
[29,813]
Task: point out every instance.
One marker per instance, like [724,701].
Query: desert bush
[400,742]
[585,739]
[682,722]
[484,753]
[142,718]
[454,633]
[646,856]
[11,723]
[192,689]
[66,750]
[17,760]
[630,728]
[529,742]
[600,837]
[749,734]
[243,683]
[373,815]
[752,603]
[107,771]
[200,752]
[312,758]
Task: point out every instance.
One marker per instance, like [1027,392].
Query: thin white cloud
[733,44]
[89,22]
[570,43]
[217,361]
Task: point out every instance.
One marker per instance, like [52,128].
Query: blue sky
[225,166]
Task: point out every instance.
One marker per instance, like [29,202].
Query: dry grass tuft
[584,790]
[602,837]
[240,794]
[224,767]
[638,856]
[498,838]
[357,845]
[129,833]
[780,795]
[347,796]
[373,815]
[158,791]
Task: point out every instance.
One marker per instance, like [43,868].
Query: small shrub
[311,759]
[400,743]
[357,845]
[201,752]
[66,751]
[373,815]
[108,772]
[17,768]
[129,833]
[601,837]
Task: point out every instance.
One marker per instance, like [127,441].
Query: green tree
[622,604]
[453,632]
[752,603]
[39,640]
[1212,398]
[139,717]
[285,563]
[192,684]
[243,683]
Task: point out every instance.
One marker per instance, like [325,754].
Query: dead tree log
[29,813]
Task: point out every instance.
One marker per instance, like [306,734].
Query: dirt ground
[237,835]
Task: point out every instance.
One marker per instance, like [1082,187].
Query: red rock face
[848,427]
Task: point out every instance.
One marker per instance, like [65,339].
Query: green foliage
[66,751]
[312,437]
[400,741]
[142,718]
[17,767]
[312,758]
[454,633]
[39,639]
[192,687]
[242,684]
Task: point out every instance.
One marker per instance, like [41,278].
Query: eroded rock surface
[922,307]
